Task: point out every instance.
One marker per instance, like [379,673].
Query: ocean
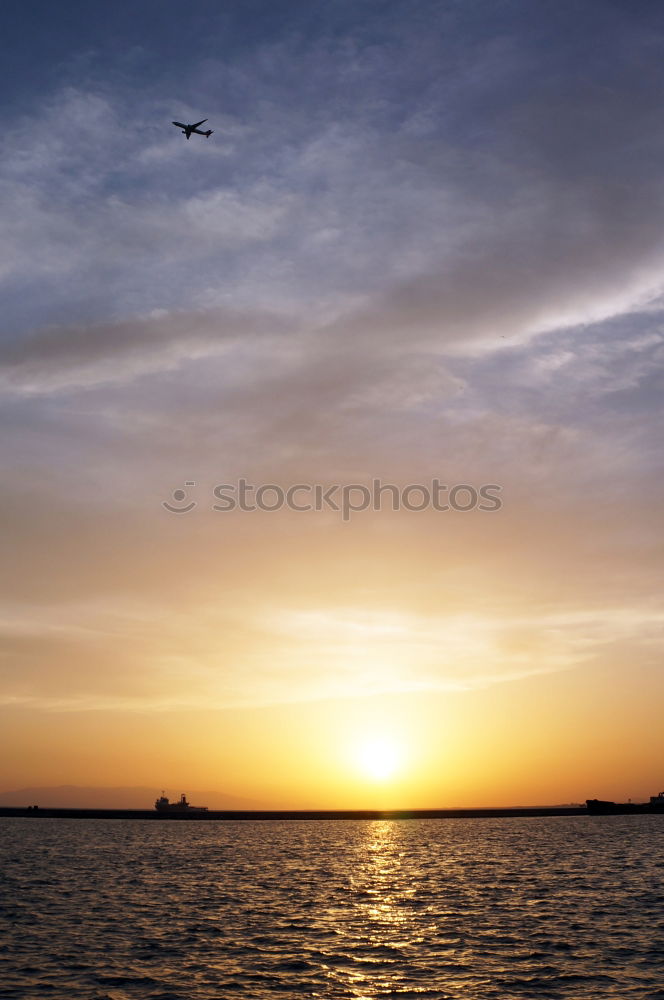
[425,909]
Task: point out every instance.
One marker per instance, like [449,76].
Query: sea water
[481,908]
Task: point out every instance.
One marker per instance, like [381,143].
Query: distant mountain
[80,797]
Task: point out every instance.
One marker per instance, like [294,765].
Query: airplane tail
[209,133]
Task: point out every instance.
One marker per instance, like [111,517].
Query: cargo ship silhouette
[163,805]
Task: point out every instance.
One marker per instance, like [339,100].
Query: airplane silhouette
[188,129]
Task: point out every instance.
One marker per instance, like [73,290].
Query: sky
[425,242]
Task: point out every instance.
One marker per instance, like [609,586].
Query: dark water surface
[425,909]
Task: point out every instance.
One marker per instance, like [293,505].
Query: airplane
[188,129]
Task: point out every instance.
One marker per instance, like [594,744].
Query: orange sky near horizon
[544,740]
[507,658]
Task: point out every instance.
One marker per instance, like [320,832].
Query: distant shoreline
[289,814]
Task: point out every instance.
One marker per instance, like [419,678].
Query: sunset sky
[426,240]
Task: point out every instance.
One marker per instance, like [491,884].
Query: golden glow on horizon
[528,743]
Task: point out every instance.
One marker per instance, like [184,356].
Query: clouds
[401,199]
[416,245]
[80,356]
[131,658]
[416,165]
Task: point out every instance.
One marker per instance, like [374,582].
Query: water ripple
[490,909]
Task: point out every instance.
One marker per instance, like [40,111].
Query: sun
[378,758]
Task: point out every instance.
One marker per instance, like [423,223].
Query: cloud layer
[418,244]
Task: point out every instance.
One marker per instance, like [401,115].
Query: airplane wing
[199,123]
[179,124]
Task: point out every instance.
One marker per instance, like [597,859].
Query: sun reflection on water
[380,923]
[482,909]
